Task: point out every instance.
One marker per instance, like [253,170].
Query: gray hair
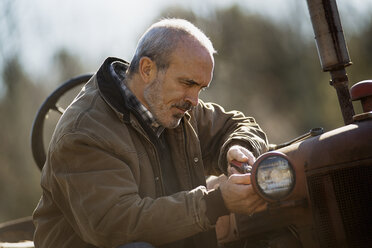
[160,40]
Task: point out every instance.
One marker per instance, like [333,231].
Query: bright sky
[95,29]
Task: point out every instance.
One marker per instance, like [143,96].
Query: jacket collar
[109,87]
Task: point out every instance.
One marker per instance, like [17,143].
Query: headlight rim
[254,178]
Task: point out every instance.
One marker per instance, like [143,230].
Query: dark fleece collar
[109,86]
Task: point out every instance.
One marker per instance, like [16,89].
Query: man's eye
[189,83]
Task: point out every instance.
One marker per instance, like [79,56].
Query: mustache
[185,106]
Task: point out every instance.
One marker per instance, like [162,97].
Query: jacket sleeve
[218,130]
[86,182]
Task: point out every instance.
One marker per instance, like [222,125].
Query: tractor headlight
[274,175]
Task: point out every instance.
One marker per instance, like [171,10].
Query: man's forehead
[192,53]
[190,44]
[199,73]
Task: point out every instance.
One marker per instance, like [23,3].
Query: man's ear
[147,69]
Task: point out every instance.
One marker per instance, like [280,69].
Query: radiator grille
[352,189]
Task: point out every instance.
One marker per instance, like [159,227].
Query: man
[129,157]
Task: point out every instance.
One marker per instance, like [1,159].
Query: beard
[154,97]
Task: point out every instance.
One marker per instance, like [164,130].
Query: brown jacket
[102,184]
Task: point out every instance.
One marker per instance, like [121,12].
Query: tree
[19,176]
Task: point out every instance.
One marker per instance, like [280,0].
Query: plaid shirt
[147,116]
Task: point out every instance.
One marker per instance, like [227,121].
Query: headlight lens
[275,176]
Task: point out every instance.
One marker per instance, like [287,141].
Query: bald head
[162,38]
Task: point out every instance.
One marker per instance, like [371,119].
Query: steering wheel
[51,103]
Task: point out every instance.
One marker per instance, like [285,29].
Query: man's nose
[193,98]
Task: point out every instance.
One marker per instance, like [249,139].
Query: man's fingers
[261,206]
[249,155]
[256,206]
[240,178]
[251,158]
[236,152]
[240,154]
[232,170]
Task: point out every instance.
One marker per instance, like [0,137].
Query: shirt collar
[133,101]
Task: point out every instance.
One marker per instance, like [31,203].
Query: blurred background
[267,65]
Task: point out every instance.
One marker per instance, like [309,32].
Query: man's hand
[239,196]
[240,154]
[237,191]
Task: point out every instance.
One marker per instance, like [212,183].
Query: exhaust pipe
[332,50]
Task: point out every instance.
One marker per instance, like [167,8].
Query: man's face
[175,90]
